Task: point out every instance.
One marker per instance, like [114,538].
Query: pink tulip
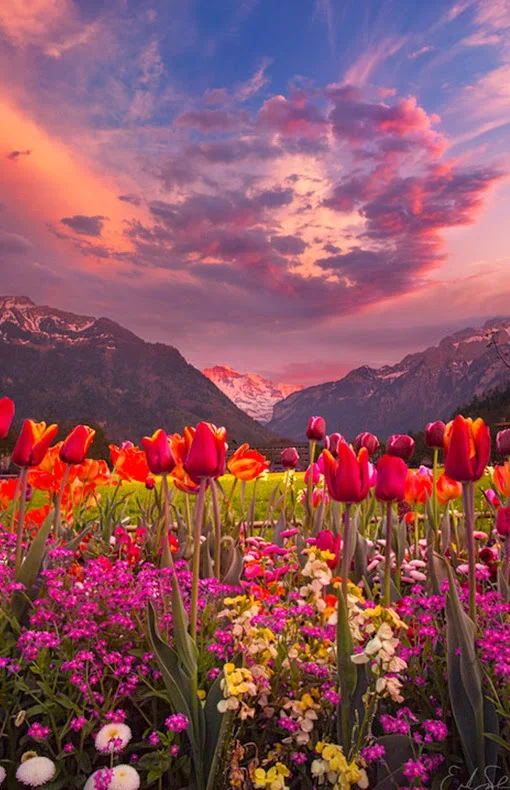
[316,429]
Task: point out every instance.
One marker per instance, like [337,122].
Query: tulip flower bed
[167,626]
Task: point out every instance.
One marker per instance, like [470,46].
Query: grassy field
[137,493]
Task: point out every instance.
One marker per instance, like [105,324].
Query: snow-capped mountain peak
[252,393]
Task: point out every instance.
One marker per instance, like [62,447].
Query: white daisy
[124,778]
[113,738]
[2,774]
[36,771]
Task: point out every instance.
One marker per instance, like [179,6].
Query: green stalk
[387,554]
[435,506]
[15,499]
[19,531]
[285,492]
[344,570]
[310,484]
[217,530]
[58,502]
[199,517]
[468,496]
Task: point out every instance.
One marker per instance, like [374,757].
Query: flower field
[184,618]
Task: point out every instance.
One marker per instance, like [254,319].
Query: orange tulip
[129,462]
[447,489]
[501,478]
[7,491]
[418,487]
[467,447]
[92,471]
[180,445]
[76,446]
[183,481]
[32,443]
[246,464]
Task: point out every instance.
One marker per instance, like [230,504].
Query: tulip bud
[316,429]
[32,443]
[434,434]
[503,442]
[150,483]
[315,472]
[29,493]
[367,440]
[6,416]
[289,458]
[159,453]
[75,446]
[207,453]
[400,446]
[503,522]
[331,442]
[391,479]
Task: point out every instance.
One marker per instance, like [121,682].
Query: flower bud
[76,446]
[400,446]
[367,440]
[331,442]
[289,458]
[316,429]
[503,522]
[434,434]
[503,442]
[6,416]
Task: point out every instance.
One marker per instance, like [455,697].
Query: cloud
[14,155]
[211,120]
[133,199]
[419,52]
[13,243]
[85,226]
[288,245]
[292,117]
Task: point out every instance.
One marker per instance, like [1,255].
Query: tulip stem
[435,506]
[285,492]
[217,529]
[21,517]
[15,501]
[387,554]
[344,571]
[58,501]
[468,495]
[310,483]
[199,517]
[166,556]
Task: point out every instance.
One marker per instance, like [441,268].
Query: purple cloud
[85,226]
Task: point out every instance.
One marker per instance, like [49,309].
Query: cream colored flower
[36,771]
[113,738]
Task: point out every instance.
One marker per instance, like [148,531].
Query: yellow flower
[201,694]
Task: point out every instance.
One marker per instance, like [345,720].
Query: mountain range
[252,393]
[424,386]
[58,366]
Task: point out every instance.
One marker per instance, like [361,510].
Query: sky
[292,188]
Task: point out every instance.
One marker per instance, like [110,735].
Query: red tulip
[32,443]
[158,452]
[289,458]
[348,478]
[331,442]
[316,429]
[315,472]
[76,446]
[6,415]
[503,442]
[326,541]
[434,434]
[206,456]
[467,448]
[503,522]
[367,440]
[400,446]
[391,479]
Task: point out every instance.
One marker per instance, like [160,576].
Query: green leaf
[347,674]
[464,679]
[31,566]
[186,648]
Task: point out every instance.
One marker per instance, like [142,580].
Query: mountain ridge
[253,393]
[424,386]
[57,365]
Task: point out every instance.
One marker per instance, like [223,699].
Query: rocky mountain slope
[252,393]
[61,366]
[424,386]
